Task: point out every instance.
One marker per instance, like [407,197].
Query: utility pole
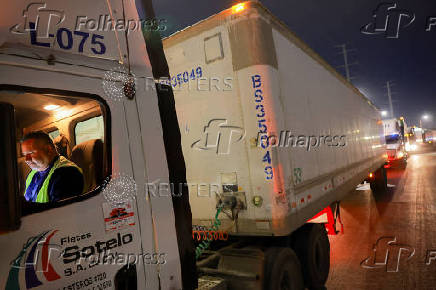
[391,108]
[346,65]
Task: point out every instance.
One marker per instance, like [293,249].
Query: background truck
[430,136]
[416,138]
[394,131]
[272,136]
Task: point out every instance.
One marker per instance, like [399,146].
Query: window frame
[31,208]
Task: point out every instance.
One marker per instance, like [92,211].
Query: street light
[424,117]
[384,113]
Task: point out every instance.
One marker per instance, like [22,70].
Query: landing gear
[312,247]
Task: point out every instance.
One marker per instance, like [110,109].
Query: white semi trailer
[75,70]
[271,135]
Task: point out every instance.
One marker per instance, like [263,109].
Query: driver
[53,177]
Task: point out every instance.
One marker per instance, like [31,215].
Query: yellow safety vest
[43,192]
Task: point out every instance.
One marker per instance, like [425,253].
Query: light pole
[424,117]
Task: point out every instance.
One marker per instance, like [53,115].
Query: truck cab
[394,131]
[86,87]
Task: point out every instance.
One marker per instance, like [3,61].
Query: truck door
[82,241]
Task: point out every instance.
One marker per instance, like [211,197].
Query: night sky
[409,61]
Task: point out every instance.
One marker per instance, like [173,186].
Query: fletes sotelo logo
[30,262]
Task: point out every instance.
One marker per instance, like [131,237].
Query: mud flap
[330,217]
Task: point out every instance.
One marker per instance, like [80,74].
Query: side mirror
[10,204]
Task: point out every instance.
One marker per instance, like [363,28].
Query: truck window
[54,134]
[92,128]
[392,139]
[37,111]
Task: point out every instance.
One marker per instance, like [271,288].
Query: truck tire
[282,270]
[312,246]
[380,182]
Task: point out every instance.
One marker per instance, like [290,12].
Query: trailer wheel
[282,270]
[380,182]
[312,246]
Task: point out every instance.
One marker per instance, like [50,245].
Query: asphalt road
[389,240]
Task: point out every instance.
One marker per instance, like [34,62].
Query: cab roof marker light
[238,7]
